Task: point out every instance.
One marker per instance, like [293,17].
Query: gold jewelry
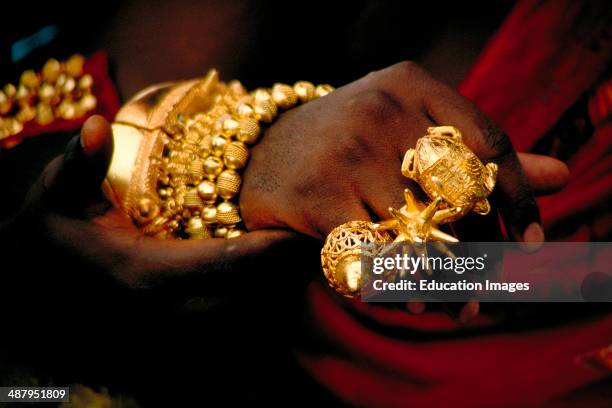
[189,185]
[59,90]
[341,254]
[450,174]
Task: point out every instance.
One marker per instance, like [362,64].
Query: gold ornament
[445,167]
[228,213]
[322,90]
[305,91]
[451,175]
[184,146]
[228,184]
[341,254]
[47,95]
[284,96]
[208,191]
[235,155]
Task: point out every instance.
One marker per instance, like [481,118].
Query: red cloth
[107,104]
[537,65]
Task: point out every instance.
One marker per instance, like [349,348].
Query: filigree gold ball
[228,213]
[305,91]
[341,254]
[266,111]
[284,96]
[236,155]
[228,184]
[323,89]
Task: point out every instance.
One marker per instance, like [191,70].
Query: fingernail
[469,311]
[533,237]
[415,307]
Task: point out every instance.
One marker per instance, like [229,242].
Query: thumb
[72,182]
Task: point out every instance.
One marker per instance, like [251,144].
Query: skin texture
[337,158]
[321,164]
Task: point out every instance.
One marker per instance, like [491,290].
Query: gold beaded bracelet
[59,90]
[198,173]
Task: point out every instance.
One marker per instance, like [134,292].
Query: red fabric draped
[541,60]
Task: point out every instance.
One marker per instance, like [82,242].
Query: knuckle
[406,69]
[498,141]
[373,107]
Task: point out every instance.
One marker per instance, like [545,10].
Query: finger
[546,175]
[469,311]
[415,307]
[263,260]
[513,194]
[72,181]
[445,106]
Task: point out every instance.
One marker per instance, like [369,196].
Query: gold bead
[85,82]
[234,233]
[236,155]
[51,70]
[209,214]
[196,170]
[5,104]
[61,80]
[266,111]
[230,126]
[206,144]
[46,92]
[10,91]
[26,114]
[192,199]
[147,209]
[29,79]
[197,229]
[173,225]
[305,91]
[14,126]
[68,85]
[341,254]
[323,89]
[261,95]
[213,166]
[66,110]
[217,144]
[228,213]
[220,232]
[249,130]
[284,96]
[245,110]
[236,87]
[87,102]
[207,191]
[44,114]
[74,65]
[228,184]
[23,94]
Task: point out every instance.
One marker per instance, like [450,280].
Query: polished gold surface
[446,168]
[450,174]
[341,254]
[180,149]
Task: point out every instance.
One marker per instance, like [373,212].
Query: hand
[338,158]
[66,217]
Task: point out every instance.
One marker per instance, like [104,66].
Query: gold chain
[199,173]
